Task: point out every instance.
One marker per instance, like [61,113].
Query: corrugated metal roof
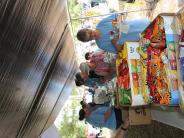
[37,65]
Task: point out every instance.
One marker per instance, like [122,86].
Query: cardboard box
[140,115]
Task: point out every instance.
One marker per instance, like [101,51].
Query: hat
[84,67]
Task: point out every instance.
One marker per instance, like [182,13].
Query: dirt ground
[155,130]
[142,9]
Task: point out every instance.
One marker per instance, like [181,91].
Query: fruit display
[158,54]
[129,79]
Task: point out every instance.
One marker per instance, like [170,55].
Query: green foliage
[74,91]
[70,126]
[74,8]
[75,11]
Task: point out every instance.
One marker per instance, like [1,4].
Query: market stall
[147,71]
[151,71]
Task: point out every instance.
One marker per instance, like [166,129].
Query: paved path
[167,6]
[155,8]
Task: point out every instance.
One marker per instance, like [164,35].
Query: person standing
[102,33]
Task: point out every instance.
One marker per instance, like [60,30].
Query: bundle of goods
[158,57]
[129,76]
[123,80]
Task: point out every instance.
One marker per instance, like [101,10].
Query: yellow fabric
[134,4]
[124,52]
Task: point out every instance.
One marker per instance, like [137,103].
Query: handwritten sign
[131,49]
